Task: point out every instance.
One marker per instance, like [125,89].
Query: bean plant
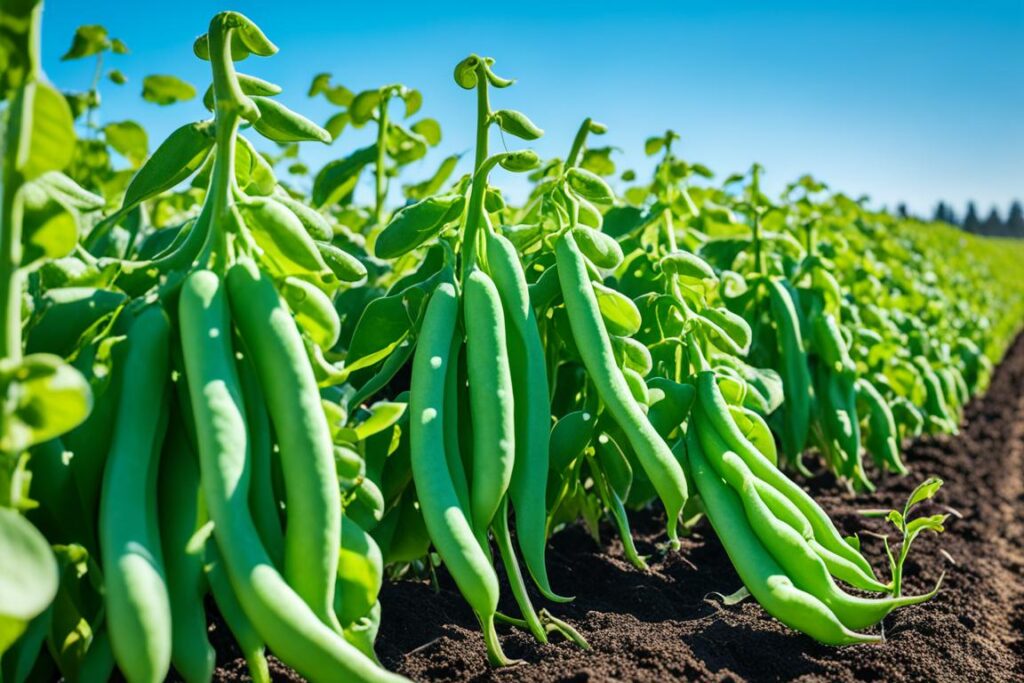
[225,385]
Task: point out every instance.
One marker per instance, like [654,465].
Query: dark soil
[670,623]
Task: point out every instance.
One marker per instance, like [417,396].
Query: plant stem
[577,143]
[483,116]
[379,177]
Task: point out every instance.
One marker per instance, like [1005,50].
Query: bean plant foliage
[227,382]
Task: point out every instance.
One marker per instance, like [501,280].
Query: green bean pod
[251,645]
[840,567]
[281,617]
[758,570]
[807,570]
[450,530]
[527,364]
[796,385]
[191,653]
[598,357]
[262,500]
[137,603]
[313,530]
[491,399]
[882,435]
[712,405]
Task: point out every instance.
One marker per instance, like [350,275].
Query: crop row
[216,383]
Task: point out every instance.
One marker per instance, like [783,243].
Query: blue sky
[904,100]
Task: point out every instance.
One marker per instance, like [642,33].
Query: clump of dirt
[670,623]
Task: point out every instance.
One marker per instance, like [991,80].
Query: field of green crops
[220,388]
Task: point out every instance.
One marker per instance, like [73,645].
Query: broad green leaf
[129,139]
[177,158]
[405,146]
[117,77]
[620,314]
[28,575]
[88,40]
[415,224]
[46,397]
[337,179]
[429,130]
[363,106]
[117,46]
[49,227]
[413,101]
[40,120]
[164,89]
[653,145]
[599,160]
[336,124]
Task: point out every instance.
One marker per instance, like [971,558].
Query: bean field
[259,424]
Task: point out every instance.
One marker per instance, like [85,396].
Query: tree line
[992,225]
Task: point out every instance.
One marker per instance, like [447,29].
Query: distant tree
[940,212]
[971,222]
[901,210]
[993,225]
[1015,220]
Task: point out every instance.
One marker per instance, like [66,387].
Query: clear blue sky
[904,100]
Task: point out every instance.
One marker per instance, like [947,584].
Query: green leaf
[336,181]
[117,77]
[46,398]
[413,101]
[383,414]
[280,124]
[175,160]
[517,123]
[599,160]
[404,146]
[40,120]
[432,184]
[49,227]
[619,312]
[429,129]
[415,224]
[118,47]
[896,519]
[336,124]
[28,575]
[129,139]
[88,40]
[362,107]
[934,523]
[925,490]
[164,89]
[590,186]
[653,145]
